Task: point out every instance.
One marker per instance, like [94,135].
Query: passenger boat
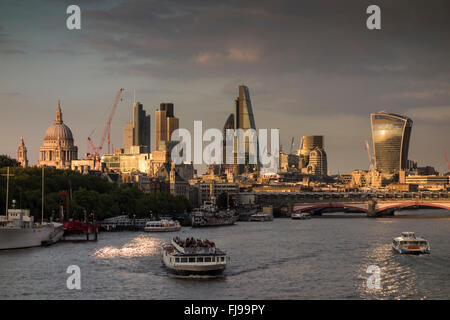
[193,257]
[162,226]
[300,216]
[261,217]
[409,243]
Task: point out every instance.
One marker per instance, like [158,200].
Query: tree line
[90,194]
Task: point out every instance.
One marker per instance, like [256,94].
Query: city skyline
[311,92]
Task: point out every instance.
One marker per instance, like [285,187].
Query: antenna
[134,99]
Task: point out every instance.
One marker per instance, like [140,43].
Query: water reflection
[398,279]
[138,247]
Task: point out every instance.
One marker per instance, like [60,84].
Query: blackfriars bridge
[373,203]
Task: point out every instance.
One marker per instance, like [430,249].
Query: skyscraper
[166,123]
[244,119]
[390,135]
[137,132]
[308,144]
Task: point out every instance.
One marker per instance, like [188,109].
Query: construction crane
[107,132]
[446,159]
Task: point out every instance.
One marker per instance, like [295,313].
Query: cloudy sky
[312,67]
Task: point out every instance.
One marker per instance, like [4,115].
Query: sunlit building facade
[390,136]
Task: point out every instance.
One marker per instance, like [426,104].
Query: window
[207,259]
[222,259]
[191,259]
[184,260]
[200,259]
[177,259]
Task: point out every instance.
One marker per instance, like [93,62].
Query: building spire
[59,118]
[134,99]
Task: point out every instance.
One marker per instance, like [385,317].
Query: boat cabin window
[177,259]
[222,259]
[191,259]
[200,259]
[207,259]
[184,260]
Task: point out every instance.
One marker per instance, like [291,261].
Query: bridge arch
[330,205]
[403,205]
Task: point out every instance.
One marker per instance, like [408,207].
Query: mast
[42,213]
[7,192]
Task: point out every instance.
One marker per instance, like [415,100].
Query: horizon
[328,82]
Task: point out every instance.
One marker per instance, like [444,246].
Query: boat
[300,216]
[18,231]
[193,257]
[209,215]
[261,217]
[409,243]
[162,226]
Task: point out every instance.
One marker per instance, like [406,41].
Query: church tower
[22,153]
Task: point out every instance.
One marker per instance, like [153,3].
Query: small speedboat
[162,226]
[261,217]
[300,216]
[409,243]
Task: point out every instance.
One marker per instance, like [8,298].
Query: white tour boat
[300,216]
[409,243]
[201,258]
[162,226]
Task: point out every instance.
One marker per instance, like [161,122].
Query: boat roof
[408,235]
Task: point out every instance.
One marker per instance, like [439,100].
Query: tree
[6,161]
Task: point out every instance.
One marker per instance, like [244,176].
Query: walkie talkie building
[390,136]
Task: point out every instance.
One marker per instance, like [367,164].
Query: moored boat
[193,257]
[18,230]
[209,215]
[409,243]
[261,217]
[162,226]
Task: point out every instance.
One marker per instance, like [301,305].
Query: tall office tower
[244,119]
[128,136]
[308,144]
[137,132]
[166,123]
[318,162]
[229,124]
[390,135]
[22,154]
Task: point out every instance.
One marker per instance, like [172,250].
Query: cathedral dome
[58,130]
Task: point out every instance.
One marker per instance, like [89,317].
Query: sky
[312,68]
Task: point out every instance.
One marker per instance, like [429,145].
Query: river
[319,258]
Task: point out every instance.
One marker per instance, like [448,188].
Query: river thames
[319,258]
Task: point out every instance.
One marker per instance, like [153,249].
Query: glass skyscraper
[390,136]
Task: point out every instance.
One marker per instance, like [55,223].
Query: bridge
[373,204]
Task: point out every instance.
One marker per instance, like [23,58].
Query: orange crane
[107,132]
[446,159]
